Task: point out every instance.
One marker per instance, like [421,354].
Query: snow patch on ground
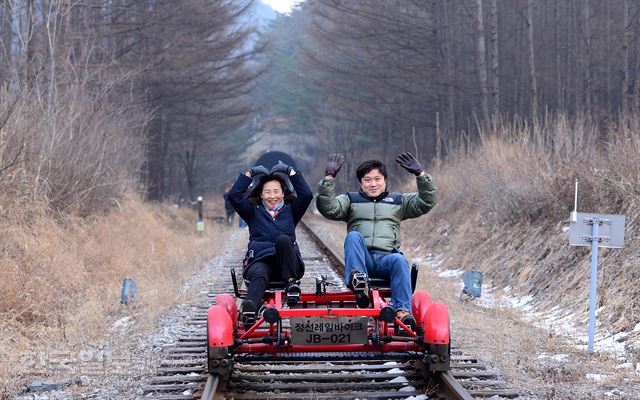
[555,319]
[122,324]
[419,397]
[596,377]
[559,358]
[452,273]
[615,392]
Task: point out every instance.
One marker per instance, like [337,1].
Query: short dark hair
[370,165]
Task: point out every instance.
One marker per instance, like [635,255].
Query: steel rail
[450,386]
[247,381]
[333,256]
[210,388]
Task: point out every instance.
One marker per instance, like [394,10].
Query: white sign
[610,232]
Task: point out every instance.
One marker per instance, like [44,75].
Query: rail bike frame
[271,338]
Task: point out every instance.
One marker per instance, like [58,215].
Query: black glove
[282,167]
[258,170]
[334,163]
[258,173]
[409,162]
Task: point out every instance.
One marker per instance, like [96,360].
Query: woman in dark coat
[272,203]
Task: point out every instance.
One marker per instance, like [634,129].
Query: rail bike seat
[274,285]
[381,283]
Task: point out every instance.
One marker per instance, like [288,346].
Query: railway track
[182,373]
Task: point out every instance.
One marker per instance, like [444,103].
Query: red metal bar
[256,333]
[320,312]
[405,328]
[278,301]
[253,328]
[378,302]
[275,298]
[272,329]
[334,296]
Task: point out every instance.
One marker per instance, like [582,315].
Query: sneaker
[406,318]
[293,293]
[248,313]
[359,283]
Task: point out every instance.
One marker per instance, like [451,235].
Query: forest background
[106,104]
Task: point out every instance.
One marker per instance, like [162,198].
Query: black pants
[283,266]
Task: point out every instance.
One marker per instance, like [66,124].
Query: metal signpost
[200,221]
[595,230]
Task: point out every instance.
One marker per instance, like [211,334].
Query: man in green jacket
[373,216]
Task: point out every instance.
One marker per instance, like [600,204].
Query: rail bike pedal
[293,293]
[359,283]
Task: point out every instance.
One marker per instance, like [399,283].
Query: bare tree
[626,42]
[96,80]
[495,70]
[445,39]
[385,67]
[586,57]
[195,74]
[6,35]
[531,59]
[559,84]
[481,62]
[28,52]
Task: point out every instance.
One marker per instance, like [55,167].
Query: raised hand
[409,162]
[282,167]
[334,163]
[258,170]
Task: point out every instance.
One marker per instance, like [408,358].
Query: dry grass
[61,278]
[520,173]
[502,208]
[71,155]
[521,352]
[504,203]
[71,150]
